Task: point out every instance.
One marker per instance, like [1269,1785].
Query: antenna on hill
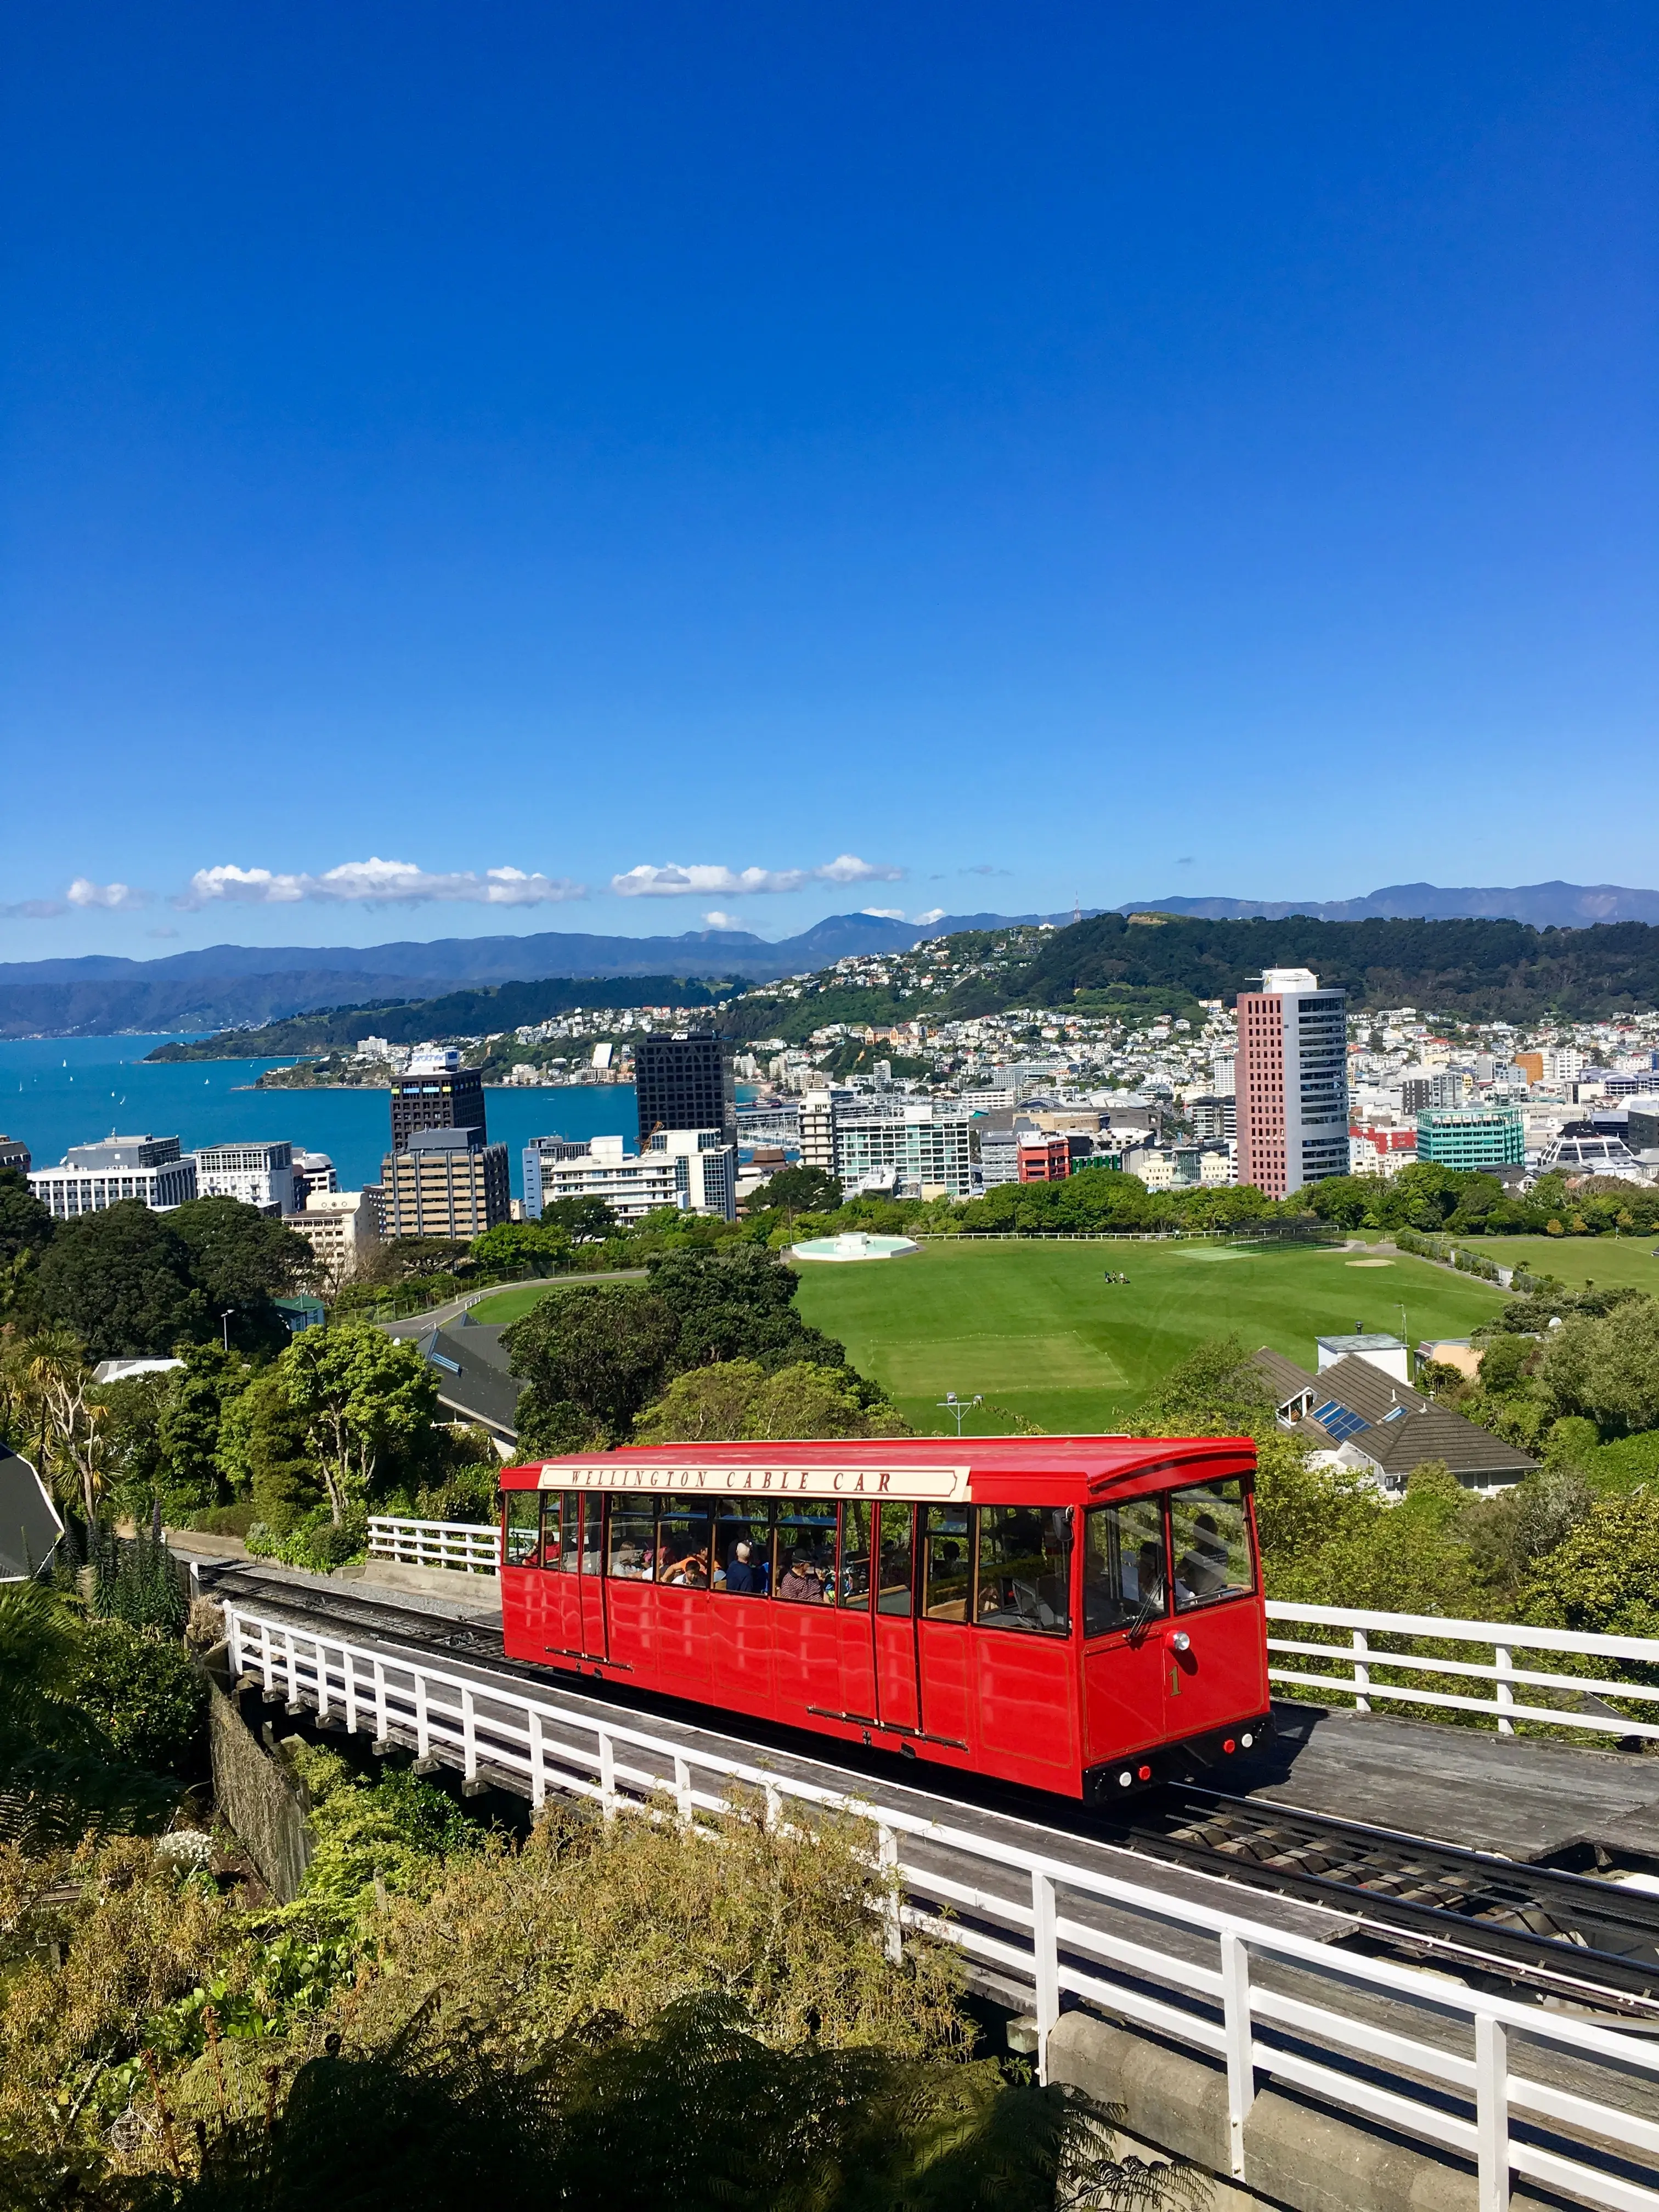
[1076,909]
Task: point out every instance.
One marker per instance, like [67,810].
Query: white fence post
[1491,2113]
[1237,2028]
[422,1720]
[887,1858]
[537,1767]
[1361,1673]
[382,1733]
[1505,1665]
[607,1774]
[469,1737]
[683,1790]
[1045,1955]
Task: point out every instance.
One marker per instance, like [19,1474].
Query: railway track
[1558,1932]
[1566,1938]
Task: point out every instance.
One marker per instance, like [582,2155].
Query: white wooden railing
[1419,2054]
[1359,1664]
[460,1544]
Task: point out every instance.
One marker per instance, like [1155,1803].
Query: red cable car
[1081,1614]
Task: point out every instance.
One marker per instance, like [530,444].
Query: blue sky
[937,457]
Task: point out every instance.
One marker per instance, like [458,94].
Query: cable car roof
[939,1469]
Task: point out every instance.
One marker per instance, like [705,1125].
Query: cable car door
[897,1704]
[1214,1668]
[590,1583]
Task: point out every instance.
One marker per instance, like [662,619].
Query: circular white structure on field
[854,1244]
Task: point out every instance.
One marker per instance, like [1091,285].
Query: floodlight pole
[949,1403]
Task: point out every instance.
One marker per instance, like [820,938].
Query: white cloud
[32,910]
[933,913]
[118,898]
[716,919]
[884,913]
[375,883]
[676,880]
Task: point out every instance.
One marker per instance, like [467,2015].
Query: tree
[737,1400]
[263,1455]
[25,1224]
[1607,1369]
[1603,1577]
[592,1359]
[361,1396]
[584,1220]
[802,1190]
[1216,1390]
[71,1421]
[192,1418]
[737,1304]
[522,1245]
[242,1261]
[124,1281]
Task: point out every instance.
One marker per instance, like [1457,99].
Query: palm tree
[70,1426]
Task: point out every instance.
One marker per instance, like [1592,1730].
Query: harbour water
[59,1092]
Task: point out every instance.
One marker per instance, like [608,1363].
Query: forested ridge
[1490,970]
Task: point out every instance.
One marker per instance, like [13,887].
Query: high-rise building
[260,1175]
[435,1093]
[1471,1137]
[1420,1093]
[1293,1082]
[93,1176]
[685,1083]
[914,1153]
[446,1182]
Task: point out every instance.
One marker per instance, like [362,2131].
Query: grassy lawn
[1037,1327]
[513,1304]
[1608,1262]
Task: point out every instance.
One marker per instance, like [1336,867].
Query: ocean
[59,1092]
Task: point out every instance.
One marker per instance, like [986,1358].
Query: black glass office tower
[685,1083]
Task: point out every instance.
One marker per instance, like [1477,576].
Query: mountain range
[228,986]
[1546,906]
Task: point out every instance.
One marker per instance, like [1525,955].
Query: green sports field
[1609,1263]
[1035,1325]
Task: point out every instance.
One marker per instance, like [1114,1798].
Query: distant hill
[1546,906]
[1110,962]
[231,986]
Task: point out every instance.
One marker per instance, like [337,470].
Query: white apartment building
[690,1170]
[911,1153]
[260,1175]
[312,1172]
[90,1177]
[342,1228]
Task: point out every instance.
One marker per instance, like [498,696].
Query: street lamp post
[224,1324]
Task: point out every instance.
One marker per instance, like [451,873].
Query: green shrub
[140,1689]
[316,1543]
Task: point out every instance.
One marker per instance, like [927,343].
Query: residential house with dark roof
[473,1382]
[1359,1416]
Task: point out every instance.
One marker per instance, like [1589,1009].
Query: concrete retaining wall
[1296,2154]
[482,1593]
[258,1795]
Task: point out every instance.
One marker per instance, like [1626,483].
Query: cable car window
[742,1547]
[521,1513]
[682,1543]
[805,1552]
[561,1542]
[1210,1537]
[593,1533]
[1123,1565]
[1024,1569]
[855,1518]
[947,1557]
[894,1569]
[634,1537]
